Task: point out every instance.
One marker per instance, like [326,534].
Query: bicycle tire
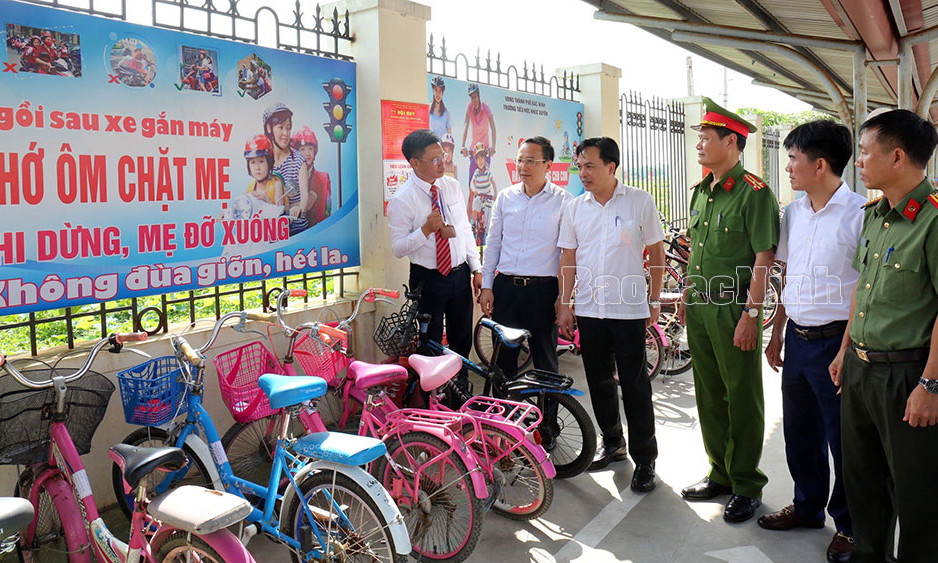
[153,438]
[653,352]
[250,445]
[177,546]
[482,341]
[56,546]
[570,438]
[527,492]
[457,499]
[677,358]
[364,517]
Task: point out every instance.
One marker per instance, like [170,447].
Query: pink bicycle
[186,524]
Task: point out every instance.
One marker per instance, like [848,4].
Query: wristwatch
[654,304]
[753,312]
[930,385]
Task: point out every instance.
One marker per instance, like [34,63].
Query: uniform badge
[754,181]
[873,202]
[911,209]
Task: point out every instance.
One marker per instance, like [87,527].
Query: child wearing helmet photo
[441,122]
[480,117]
[319,204]
[449,153]
[265,184]
[481,194]
[290,163]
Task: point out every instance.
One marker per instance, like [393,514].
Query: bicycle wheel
[674,273]
[196,474]
[677,353]
[250,445]
[444,520]
[773,296]
[50,542]
[653,352]
[566,432]
[357,531]
[484,345]
[179,548]
[526,492]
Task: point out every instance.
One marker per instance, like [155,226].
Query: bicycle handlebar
[115,340]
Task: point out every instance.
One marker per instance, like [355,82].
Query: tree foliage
[771,118]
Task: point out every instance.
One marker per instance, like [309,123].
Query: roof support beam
[840,103]
[859,113]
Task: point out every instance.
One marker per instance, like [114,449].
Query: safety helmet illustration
[305,137]
[258,145]
[473,88]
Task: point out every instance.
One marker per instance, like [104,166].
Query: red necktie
[444,262]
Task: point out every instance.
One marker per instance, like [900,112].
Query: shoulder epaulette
[754,181]
[873,202]
[933,199]
[695,186]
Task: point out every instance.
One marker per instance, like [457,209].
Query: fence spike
[443,48]
[347,23]
[335,20]
[298,14]
[542,73]
[430,47]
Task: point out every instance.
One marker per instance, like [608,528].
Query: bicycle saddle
[139,462]
[435,371]
[512,337]
[15,514]
[288,390]
[368,375]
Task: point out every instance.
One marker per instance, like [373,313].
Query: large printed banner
[136,161]
[482,128]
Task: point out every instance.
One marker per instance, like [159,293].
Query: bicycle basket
[396,334]
[238,372]
[152,392]
[318,358]
[25,415]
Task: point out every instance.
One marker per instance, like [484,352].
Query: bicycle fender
[542,457]
[661,335]
[200,448]
[476,474]
[370,485]
[223,541]
[67,505]
[570,391]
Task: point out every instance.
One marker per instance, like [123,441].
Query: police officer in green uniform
[888,362]
[734,230]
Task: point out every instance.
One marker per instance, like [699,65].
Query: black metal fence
[653,152]
[770,147]
[484,70]
[294,30]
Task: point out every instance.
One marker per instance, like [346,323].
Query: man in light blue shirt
[521,260]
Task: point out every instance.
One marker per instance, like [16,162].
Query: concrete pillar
[391,53]
[693,112]
[599,92]
[752,156]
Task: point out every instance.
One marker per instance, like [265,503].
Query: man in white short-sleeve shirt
[819,235]
[602,236]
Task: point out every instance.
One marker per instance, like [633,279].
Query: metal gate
[770,146]
[653,152]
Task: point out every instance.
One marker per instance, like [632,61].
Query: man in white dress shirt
[521,248]
[603,235]
[428,224]
[819,234]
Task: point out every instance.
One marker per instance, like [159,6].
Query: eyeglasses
[529,161]
[435,161]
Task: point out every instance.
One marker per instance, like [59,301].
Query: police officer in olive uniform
[734,230]
[888,362]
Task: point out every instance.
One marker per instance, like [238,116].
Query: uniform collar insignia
[729,183]
[911,209]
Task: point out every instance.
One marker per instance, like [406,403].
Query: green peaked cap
[715,115]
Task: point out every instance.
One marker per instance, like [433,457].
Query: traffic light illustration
[337,91]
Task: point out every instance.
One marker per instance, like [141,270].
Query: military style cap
[716,116]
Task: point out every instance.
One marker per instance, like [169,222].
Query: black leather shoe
[643,478]
[608,454]
[740,508]
[705,489]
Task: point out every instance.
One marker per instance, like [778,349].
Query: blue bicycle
[331,508]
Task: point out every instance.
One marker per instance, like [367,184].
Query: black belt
[892,356]
[725,296]
[453,271]
[809,333]
[524,281]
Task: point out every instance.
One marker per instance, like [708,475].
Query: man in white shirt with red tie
[428,224]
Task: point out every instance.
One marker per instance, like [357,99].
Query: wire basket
[238,372]
[152,392]
[318,358]
[397,334]
[25,415]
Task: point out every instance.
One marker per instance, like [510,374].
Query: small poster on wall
[397,120]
